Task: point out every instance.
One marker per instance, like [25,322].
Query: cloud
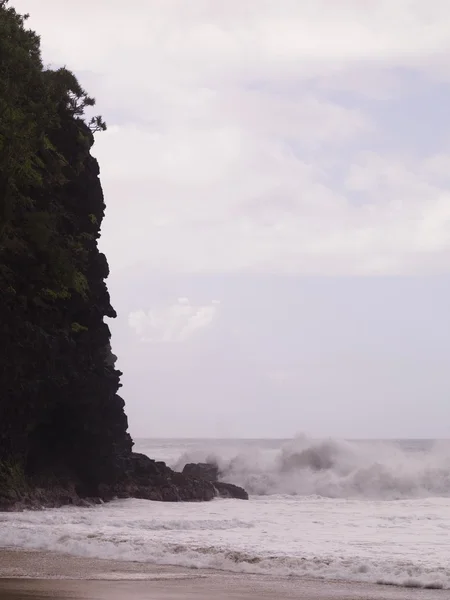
[254,136]
[266,210]
[210,40]
[437,167]
[175,323]
[280,377]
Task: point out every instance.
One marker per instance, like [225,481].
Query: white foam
[401,543]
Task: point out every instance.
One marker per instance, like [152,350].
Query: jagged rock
[151,480]
[228,490]
[210,472]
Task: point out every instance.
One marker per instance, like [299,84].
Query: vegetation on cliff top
[60,416]
[35,104]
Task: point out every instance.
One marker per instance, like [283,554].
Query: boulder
[207,471]
[210,472]
[152,480]
[228,490]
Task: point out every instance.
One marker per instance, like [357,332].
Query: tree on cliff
[32,101]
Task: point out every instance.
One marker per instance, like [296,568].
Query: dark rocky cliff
[61,420]
[63,429]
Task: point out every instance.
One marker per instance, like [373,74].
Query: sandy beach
[41,575]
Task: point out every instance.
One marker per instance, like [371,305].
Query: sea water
[357,511]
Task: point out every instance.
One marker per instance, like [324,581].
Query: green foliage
[62,294]
[34,103]
[21,123]
[87,236]
[39,226]
[80,283]
[44,143]
[97,124]
[69,91]
[12,478]
[77,328]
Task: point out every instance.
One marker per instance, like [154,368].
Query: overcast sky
[276,174]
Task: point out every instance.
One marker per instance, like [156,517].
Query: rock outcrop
[206,471]
[63,428]
[228,490]
[152,480]
[210,472]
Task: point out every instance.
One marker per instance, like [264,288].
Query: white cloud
[208,39]
[267,210]
[229,151]
[280,377]
[175,323]
[437,167]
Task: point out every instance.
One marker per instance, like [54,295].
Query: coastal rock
[228,490]
[148,479]
[210,472]
[207,471]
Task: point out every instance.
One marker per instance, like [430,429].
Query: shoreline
[39,575]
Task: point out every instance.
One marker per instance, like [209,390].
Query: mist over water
[331,468]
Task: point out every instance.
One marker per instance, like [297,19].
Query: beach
[45,575]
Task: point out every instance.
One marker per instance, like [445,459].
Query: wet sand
[41,575]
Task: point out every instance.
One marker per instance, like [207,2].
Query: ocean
[366,511]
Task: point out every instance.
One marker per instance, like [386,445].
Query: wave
[333,468]
[93,535]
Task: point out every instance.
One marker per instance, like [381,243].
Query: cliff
[63,429]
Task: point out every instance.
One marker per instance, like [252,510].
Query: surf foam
[350,541]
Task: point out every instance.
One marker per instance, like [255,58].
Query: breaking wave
[124,531]
[334,469]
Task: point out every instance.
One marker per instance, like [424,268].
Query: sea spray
[334,468]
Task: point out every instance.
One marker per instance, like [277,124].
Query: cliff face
[62,424]
[63,429]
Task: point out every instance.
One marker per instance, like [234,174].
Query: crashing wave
[334,469]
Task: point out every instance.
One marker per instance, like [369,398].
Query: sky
[276,174]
